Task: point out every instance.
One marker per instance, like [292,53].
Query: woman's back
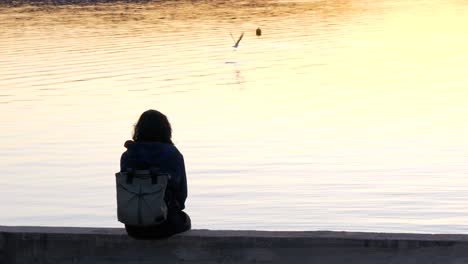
[167,158]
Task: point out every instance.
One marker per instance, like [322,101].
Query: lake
[343,115]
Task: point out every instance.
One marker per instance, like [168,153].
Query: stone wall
[112,245]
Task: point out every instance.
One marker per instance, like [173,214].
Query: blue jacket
[144,155]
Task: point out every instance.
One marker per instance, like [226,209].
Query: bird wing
[232,37]
[242,35]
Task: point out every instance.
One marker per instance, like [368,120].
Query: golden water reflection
[342,115]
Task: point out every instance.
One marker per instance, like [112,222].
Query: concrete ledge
[112,245]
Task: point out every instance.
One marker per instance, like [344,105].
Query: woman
[152,147]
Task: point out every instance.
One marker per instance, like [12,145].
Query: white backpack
[140,197]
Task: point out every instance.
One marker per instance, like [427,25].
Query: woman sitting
[152,147]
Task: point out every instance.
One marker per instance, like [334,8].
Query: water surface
[343,115]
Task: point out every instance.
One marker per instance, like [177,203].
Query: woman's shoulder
[173,151]
[166,149]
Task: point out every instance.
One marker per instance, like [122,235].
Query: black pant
[176,222]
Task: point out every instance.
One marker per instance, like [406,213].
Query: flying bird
[237,42]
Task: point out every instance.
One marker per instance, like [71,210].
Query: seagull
[237,42]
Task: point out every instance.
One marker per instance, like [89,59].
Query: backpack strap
[130,175]
[155,172]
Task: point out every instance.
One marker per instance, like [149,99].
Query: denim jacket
[144,155]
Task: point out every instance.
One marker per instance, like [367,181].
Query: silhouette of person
[152,146]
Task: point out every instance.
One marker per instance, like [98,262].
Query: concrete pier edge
[29,244]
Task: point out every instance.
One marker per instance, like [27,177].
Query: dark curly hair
[153,126]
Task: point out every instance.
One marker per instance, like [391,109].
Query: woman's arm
[178,182]
[182,195]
